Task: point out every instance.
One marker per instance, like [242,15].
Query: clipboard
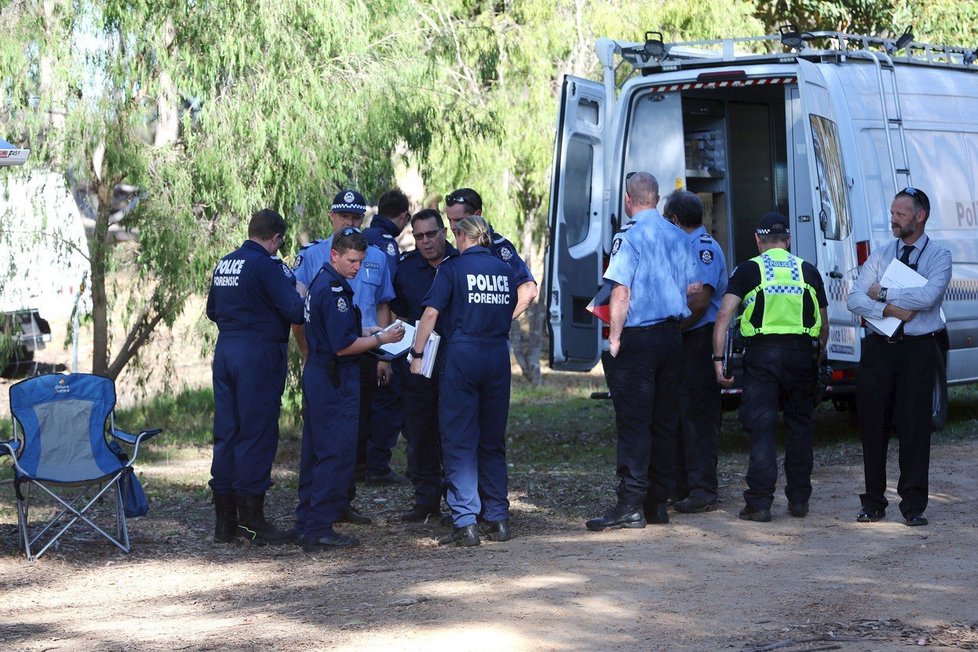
[394,350]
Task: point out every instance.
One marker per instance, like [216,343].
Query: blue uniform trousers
[329,446]
[424,457]
[644,382]
[472,411]
[778,374]
[700,415]
[249,376]
[386,419]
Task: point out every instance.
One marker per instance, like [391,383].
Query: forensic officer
[786,326]
[414,276]
[474,291]
[650,268]
[897,374]
[331,385]
[386,411]
[253,299]
[464,202]
[372,291]
[699,403]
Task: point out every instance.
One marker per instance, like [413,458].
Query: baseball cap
[775,223]
[464,196]
[349,201]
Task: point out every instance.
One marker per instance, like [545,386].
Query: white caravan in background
[823,127]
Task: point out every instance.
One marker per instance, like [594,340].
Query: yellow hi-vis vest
[783,304]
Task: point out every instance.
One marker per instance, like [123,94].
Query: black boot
[226,523]
[252,526]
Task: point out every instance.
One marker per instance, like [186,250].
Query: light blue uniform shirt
[652,259]
[710,269]
[933,263]
[371,286]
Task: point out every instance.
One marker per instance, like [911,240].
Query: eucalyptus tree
[193,114]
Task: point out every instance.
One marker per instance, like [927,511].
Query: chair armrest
[10,447]
[131,439]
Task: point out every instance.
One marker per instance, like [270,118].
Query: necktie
[905,256]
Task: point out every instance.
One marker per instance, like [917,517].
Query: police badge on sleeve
[706,256]
[505,253]
[297,262]
[342,304]
[615,246]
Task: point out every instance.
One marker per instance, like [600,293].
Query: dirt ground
[703,582]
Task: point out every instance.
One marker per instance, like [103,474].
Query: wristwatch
[416,355]
[717,358]
[881,295]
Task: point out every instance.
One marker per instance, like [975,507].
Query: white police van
[823,127]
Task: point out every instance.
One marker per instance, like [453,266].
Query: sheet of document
[897,275]
[397,349]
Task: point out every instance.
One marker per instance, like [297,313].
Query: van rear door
[835,243]
[576,226]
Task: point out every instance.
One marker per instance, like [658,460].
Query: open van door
[576,226]
[835,242]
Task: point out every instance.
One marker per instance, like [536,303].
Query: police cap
[773,223]
[349,201]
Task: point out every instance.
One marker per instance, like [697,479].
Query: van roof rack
[655,56]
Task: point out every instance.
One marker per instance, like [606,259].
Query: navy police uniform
[782,295]
[475,295]
[331,386]
[253,300]
[652,259]
[699,435]
[412,281]
[382,233]
[506,252]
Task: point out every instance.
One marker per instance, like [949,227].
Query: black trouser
[644,384]
[778,371]
[896,382]
[424,461]
[699,404]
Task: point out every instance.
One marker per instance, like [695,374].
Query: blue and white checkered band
[505,253]
[770,264]
[298,261]
[615,246]
[706,256]
[391,249]
[784,289]
[342,304]
[769,231]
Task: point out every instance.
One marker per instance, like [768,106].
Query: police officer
[474,292]
[252,299]
[414,276]
[650,268]
[372,292]
[897,374]
[699,403]
[331,385]
[386,412]
[464,202]
[786,326]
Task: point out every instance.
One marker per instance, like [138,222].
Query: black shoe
[869,515]
[756,515]
[914,520]
[226,521]
[253,528]
[467,535]
[495,530]
[619,516]
[691,505]
[798,509]
[353,515]
[330,541]
[446,520]
[390,478]
[420,514]
[656,513]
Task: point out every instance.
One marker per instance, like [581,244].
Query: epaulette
[408,254]
[706,238]
[310,244]
[499,240]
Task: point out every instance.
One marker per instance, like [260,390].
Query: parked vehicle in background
[824,128]
[43,263]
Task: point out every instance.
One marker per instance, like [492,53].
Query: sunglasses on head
[350,230]
[451,200]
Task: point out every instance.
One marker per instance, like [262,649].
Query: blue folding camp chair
[60,444]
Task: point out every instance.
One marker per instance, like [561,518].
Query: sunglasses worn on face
[427,235]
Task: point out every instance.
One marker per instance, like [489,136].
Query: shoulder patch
[391,248]
[615,246]
[706,256]
[298,260]
[505,253]
[342,304]
[285,270]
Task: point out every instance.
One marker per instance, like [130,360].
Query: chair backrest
[62,419]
